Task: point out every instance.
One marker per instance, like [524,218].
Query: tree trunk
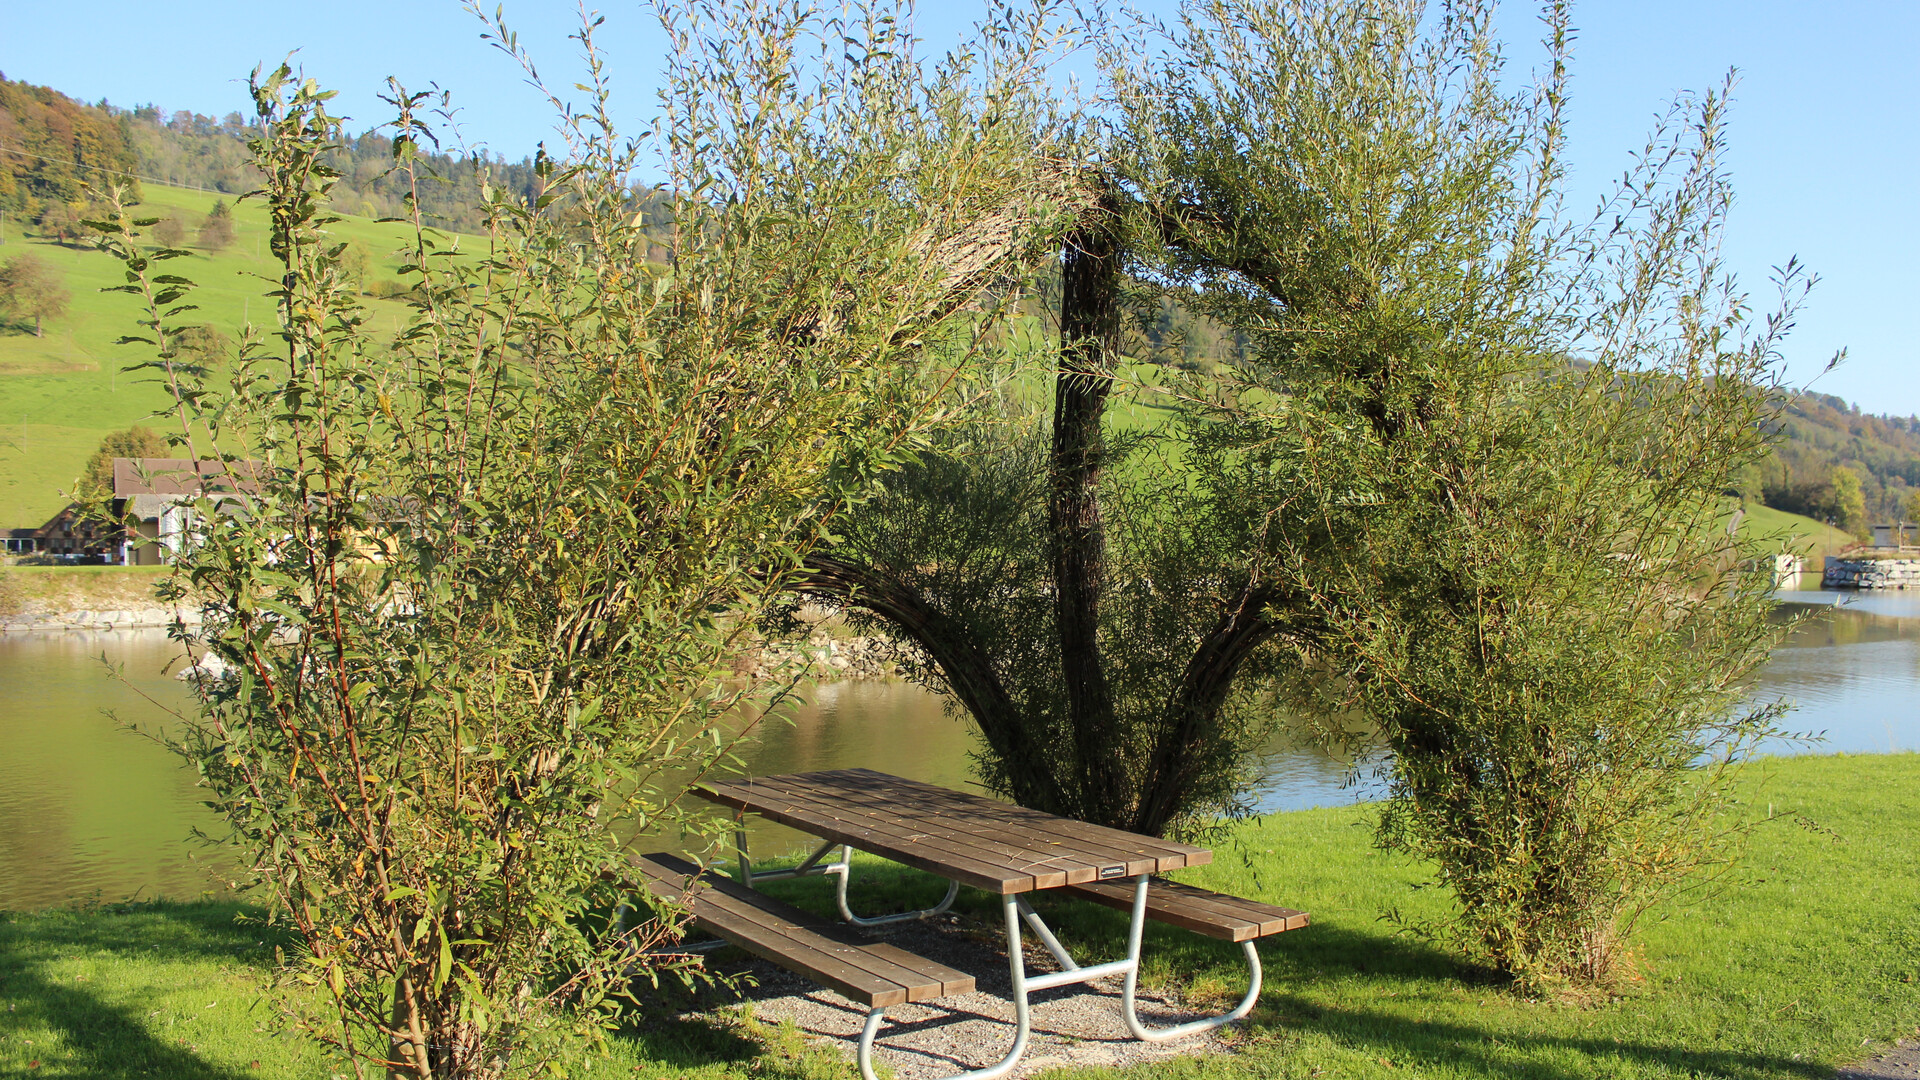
[1089,345]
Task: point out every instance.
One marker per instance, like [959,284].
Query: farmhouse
[149,518]
[153,499]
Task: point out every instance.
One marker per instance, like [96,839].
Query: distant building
[1895,536]
[71,533]
[153,499]
[150,517]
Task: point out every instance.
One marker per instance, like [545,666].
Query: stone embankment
[93,619]
[1842,573]
[829,658]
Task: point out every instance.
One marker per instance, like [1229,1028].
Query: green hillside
[1781,530]
[61,393]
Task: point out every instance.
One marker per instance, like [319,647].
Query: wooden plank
[974,811]
[1202,911]
[787,943]
[994,870]
[995,810]
[784,950]
[1099,847]
[874,974]
[861,798]
[1084,860]
[992,877]
[1035,866]
[951,980]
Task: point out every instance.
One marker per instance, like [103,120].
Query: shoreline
[95,619]
[828,658]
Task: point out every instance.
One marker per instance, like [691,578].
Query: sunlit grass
[1807,957]
[61,392]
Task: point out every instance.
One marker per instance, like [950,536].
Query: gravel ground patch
[1077,1025]
[1901,1063]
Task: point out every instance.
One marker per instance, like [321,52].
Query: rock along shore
[94,619]
[828,658]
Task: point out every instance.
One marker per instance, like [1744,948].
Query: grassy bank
[64,390]
[1809,957]
[36,589]
[1781,531]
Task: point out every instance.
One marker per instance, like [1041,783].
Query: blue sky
[1825,129]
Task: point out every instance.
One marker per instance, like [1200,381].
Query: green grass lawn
[1780,529]
[1808,958]
[77,588]
[60,393]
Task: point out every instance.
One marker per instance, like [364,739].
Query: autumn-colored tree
[135,442]
[58,222]
[169,233]
[30,289]
[216,232]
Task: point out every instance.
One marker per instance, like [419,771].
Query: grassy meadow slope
[60,393]
[1781,530]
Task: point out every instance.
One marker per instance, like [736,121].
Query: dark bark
[965,667]
[1194,712]
[1089,343]
[1110,782]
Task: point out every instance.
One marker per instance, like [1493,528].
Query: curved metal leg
[866,1043]
[1017,968]
[1193,1027]
[843,869]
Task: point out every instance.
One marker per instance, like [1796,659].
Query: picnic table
[1006,850]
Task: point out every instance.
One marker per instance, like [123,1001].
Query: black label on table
[1112,872]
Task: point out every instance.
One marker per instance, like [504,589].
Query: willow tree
[1489,445]
[1465,489]
[479,585]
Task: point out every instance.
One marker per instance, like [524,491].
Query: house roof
[143,507]
[175,476]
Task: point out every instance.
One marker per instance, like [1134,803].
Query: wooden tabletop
[976,841]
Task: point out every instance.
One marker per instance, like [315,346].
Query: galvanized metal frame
[841,869]
[1015,910]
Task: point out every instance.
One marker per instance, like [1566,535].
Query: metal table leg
[1022,1020]
[1136,933]
[842,869]
[1016,909]
[1136,930]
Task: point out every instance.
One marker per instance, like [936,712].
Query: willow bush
[1480,447]
[479,585]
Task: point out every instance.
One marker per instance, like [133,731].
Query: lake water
[88,809]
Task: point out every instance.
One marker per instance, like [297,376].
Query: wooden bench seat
[872,973]
[1217,915]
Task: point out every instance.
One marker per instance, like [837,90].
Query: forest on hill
[1835,463]
[52,147]
[1829,447]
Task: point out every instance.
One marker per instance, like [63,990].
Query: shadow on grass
[1323,950]
[692,1041]
[1331,953]
[109,1040]
[1438,1045]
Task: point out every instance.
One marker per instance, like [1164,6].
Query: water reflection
[87,809]
[1851,668]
